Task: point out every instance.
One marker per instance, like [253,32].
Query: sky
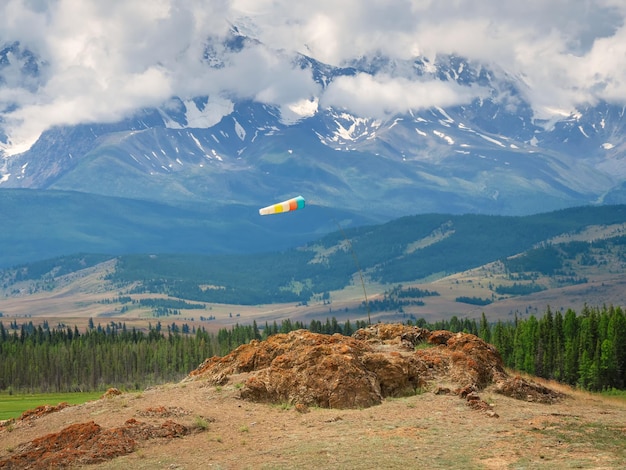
[100,61]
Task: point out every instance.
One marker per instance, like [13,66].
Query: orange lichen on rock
[42,410]
[87,443]
[111,392]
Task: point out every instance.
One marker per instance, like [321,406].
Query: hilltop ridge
[436,416]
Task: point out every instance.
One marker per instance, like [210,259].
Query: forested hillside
[406,249]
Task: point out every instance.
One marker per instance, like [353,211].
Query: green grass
[12,406]
[621,394]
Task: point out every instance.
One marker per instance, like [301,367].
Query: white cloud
[382,95]
[102,60]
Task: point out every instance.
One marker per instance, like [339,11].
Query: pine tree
[255,330]
[484,331]
[617,334]
[571,353]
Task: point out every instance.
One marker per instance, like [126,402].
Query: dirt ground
[450,421]
[421,431]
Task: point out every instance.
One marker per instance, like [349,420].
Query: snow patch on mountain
[493,141]
[197,142]
[199,114]
[298,110]
[582,131]
[447,118]
[349,128]
[239,130]
[5,174]
[445,137]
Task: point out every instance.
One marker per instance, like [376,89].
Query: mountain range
[491,156]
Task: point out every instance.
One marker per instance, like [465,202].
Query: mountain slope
[487,156]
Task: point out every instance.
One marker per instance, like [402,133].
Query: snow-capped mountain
[488,156]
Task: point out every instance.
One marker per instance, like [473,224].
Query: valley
[87,294]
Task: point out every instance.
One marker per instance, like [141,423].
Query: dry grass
[419,431]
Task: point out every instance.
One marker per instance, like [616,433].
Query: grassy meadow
[12,406]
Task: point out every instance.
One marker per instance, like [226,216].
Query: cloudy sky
[102,59]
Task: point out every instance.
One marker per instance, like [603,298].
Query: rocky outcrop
[360,371]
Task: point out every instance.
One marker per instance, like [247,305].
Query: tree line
[63,359]
[586,350]
[35,359]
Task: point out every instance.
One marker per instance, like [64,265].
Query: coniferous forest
[585,349]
